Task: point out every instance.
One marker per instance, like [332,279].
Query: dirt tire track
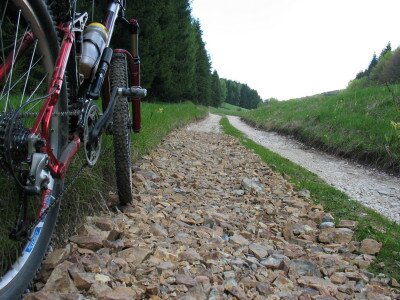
[372,188]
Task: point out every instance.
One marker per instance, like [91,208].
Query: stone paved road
[211,221]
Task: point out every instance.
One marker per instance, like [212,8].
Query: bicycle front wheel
[28,51]
[121,130]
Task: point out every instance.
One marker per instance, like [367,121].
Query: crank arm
[105,119]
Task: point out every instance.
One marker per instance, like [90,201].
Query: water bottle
[95,38]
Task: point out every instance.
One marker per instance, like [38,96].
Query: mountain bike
[61,88]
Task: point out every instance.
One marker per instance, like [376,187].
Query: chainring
[92,148]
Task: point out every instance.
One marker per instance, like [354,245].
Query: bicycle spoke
[33,93]
[1,31]
[13,61]
[29,70]
[26,74]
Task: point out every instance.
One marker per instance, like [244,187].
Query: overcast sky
[294,48]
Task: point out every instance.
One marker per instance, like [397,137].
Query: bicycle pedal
[134,91]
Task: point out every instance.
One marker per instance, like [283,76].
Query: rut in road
[374,189]
[212,221]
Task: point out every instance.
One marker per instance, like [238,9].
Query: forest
[383,69]
[175,64]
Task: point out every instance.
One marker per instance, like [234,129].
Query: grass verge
[361,124]
[370,223]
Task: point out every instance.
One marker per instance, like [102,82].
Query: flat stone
[252,184]
[195,293]
[60,281]
[190,255]
[102,278]
[238,293]
[325,287]
[54,258]
[83,281]
[273,262]
[92,242]
[327,218]
[239,240]
[230,283]
[120,293]
[53,296]
[336,235]
[104,223]
[347,224]
[284,284]
[370,246]
[158,230]
[338,278]
[113,235]
[238,193]
[394,283]
[229,274]
[259,251]
[134,255]
[325,225]
[166,265]
[264,289]
[304,193]
[185,280]
[299,268]
[165,255]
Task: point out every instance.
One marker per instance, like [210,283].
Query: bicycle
[46,117]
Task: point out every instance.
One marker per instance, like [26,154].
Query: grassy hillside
[228,109]
[360,124]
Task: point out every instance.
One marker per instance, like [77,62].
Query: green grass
[370,223]
[159,119]
[228,109]
[353,123]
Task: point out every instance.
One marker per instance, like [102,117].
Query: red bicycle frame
[57,167]
[41,127]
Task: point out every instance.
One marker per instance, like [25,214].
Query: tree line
[382,69]
[240,94]
[174,61]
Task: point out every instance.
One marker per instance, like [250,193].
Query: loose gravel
[211,221]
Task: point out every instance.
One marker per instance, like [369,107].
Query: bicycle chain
[72,113]
[55,201]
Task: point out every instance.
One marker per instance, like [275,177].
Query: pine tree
[385,50]
[203,66]
[224,90]
[372,64]
[216,91]
[175,64]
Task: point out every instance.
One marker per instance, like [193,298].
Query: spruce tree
[203,66]
[216,91]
